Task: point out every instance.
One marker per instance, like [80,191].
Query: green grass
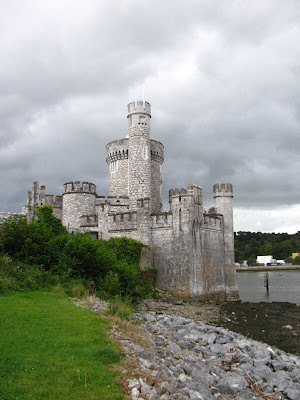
[50,349]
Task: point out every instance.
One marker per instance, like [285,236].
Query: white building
[265,260]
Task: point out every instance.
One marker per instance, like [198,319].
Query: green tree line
[249,245]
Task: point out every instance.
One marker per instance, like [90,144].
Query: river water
[283,286]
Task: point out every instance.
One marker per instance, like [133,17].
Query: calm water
[284,287]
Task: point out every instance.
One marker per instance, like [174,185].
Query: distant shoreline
[266,268]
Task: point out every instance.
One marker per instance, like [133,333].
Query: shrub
[120,308]
[109,286]
[15,276]
[126,249]
[66,258]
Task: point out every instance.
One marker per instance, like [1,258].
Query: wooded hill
[249,245]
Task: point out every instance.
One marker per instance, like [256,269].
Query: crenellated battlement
[157,151]
[210,210]
[140,106]
[117,150]
[4,215]
[177,193]
[122,201]
[143,203]
[162,220]
[194,192]
[89,220]
[122,222]
[223,189]
[53,201]
[213,221]
[139,114]
[77,187]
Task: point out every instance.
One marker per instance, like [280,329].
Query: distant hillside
[249,245]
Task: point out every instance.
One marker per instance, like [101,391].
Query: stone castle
[192,248]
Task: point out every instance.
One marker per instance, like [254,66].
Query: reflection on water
[283,286]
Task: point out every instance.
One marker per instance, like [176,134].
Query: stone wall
[78,200]
[117,160]
[213,255]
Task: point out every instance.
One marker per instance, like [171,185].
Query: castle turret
[78,200]
[223,197]
[186,206]
[139,162]
[117,160]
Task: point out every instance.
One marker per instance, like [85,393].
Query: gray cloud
[222,78]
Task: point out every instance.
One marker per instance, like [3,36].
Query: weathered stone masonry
[193,248]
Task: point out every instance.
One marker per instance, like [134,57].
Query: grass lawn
[50,349]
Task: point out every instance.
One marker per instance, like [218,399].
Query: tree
[296,260]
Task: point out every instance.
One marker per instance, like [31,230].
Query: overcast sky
[223,79]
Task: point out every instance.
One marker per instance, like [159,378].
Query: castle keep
[192,248]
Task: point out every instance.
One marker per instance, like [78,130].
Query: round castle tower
[78,199]
[117,160]
[135,161]
[223,197]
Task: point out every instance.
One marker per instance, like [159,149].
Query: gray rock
[145,389]
[262,372]
[135,393]
[267,388]
[278,365]
[245,395]
[261,361]
[237,383]
[187,357]
[133,383]
[174,349]
[225,389]
[196,395]
[168,387]
[293,392]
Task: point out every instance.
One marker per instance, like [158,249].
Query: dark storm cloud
[222,78]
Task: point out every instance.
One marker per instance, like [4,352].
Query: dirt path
[277,324]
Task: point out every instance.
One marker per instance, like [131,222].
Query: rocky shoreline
[180,358]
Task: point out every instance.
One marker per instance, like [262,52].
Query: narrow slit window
[145,152]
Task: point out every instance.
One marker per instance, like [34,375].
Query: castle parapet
[223,190]
[50,201]
[143,203]
[138,107]
[162,220]
[193,191]
[117,150]
[122,222]
[213,221]
[88,221]
[4,215]
[157,151]
[176,193]
[77,187]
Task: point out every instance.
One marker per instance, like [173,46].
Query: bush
[120,308]
[81,256]
[109,286]
[60,257]
[126,249]
[16,276]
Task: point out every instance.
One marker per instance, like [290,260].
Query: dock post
[266,281]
